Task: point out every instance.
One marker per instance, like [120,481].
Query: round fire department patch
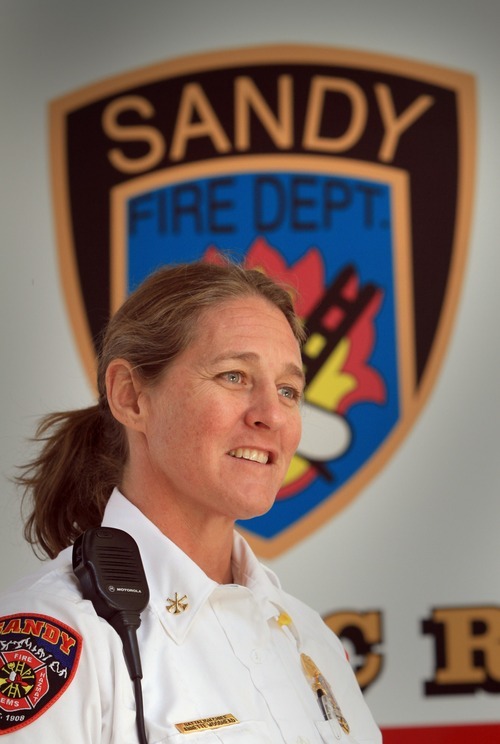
[38,659]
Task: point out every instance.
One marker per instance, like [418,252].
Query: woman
[200,381]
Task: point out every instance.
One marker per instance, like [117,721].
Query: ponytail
[70,481]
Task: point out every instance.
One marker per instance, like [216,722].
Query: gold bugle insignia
[177,604]
[202,724]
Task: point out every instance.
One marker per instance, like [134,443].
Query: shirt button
[301,740]
[257,655]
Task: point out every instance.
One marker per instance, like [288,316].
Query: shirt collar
[170,573]
[174,578]
[266,587]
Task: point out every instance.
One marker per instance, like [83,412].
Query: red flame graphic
[307,278]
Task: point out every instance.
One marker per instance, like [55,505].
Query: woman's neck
[207,541]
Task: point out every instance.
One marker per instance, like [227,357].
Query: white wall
[425,532]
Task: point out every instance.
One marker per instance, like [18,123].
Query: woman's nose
[266,409]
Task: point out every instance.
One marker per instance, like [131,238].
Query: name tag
[202,724]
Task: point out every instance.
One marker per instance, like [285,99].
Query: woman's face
[224,421]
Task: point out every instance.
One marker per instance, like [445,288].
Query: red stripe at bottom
[480,733]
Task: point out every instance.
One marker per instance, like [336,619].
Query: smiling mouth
[244,453]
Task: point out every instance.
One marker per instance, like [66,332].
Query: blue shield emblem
[349,191]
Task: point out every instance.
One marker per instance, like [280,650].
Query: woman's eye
[289,392]
[232,376]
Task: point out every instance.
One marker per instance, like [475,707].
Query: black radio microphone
[109,568]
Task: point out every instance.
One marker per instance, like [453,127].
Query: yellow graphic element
[284,619]
[315,345]
[330,385]
[298,466]
[17,679]
[326,390]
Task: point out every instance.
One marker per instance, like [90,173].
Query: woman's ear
[124,390]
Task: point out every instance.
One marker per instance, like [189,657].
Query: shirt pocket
[331,733]
[200,737]
[247,732]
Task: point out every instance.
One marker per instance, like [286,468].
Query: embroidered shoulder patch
[38,659]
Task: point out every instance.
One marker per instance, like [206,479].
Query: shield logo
[39,657]
[347,175]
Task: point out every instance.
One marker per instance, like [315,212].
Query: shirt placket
[251,628]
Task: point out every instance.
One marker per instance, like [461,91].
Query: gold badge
[326,699]
[202,724]
[177,605]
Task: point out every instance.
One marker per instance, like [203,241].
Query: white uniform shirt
[229,656]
